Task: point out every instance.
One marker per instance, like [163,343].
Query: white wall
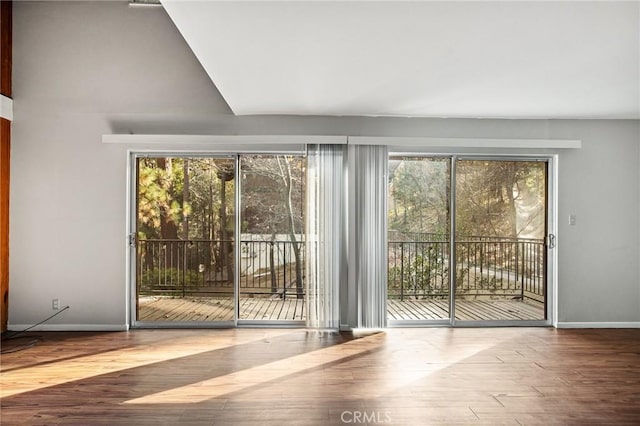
[598,258]
[86,69]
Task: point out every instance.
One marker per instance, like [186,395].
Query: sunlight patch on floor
[56,373]
[389,381]
[239,380]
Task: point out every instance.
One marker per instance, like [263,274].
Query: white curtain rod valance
[428,142]
[223,140]
[231,141]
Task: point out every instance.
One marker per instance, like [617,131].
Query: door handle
[551,241]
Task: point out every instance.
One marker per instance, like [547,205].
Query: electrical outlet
[55,304]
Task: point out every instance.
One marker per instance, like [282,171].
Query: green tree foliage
[273,194]
[193,199]
[496,202]
[418,196]
[158,206]
[493,198]
[273,202]
[187,199]
[181,197]
[500,198]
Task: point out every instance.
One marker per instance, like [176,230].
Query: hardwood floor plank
[276,377]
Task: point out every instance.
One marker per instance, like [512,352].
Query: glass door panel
[418,238]
[272,264]
[500,268]
[185,226]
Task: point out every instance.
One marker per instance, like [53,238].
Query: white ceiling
[477,59]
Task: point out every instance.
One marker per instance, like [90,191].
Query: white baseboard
[598,325]
[70,327]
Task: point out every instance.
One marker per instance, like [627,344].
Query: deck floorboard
[197,309]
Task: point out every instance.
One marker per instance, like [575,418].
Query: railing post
[184,267]
[523,269]
[401,271]
[272,268]
[284,274]
[139,250]
[517,272]
[522,279]
[482,250]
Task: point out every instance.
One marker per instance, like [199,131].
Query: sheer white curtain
[326,234]
[368,169]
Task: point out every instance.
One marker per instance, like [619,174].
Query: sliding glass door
[418,238]
[272,238]
[500,229]
[494,268]
[219,240]
[184,240]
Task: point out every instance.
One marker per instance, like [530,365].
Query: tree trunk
[185,200]
[223,224]
[226,245]
[168,228]
[288,180]
[510,178]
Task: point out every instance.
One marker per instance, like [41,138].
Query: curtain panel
[368,170]
[326,234]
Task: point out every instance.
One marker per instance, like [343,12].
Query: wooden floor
[426,376]
[168,309]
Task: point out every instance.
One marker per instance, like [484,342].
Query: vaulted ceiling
[518,59]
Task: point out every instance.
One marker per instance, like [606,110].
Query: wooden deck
[174,309]
[466,310]
[205,309]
